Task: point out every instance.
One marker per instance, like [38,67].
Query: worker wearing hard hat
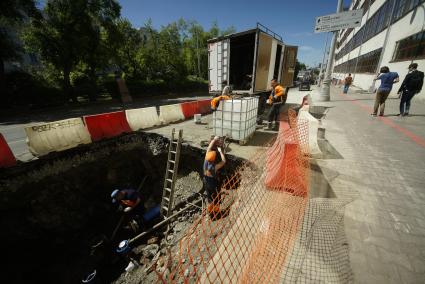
[277,99]
[225,95]
[210,168]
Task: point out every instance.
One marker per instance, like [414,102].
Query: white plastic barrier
[313,127]
[171,113]
[56,136]
[142,118]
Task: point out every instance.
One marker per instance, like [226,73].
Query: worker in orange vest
[210,169]
[225,95]
[215,102]
[277,99]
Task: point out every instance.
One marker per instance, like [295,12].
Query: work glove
[127,209]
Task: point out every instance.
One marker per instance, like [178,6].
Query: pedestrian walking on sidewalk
[347,83]
[387,80]
[412,84]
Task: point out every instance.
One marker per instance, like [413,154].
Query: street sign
[338,21]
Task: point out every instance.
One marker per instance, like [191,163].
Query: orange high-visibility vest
[128,203]
[279,92]
[215,102]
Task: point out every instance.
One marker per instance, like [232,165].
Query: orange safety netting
[247,233]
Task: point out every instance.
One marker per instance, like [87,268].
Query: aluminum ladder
[167,202]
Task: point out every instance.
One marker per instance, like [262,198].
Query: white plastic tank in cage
[236,118]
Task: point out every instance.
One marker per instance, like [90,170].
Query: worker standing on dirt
[277,99]
[210,169]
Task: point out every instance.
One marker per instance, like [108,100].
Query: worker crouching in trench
[210,179]
[130,202]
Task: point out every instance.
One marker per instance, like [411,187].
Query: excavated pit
[54,209]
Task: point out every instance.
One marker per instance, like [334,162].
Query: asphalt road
[12,126]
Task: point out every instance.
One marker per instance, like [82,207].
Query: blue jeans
[211,187]
[346,88]
[406,97]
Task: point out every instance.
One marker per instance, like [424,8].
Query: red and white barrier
[171,113]
[189,109]
[107,125]
[56,136]
[204,106]
[142,118]
[7,159]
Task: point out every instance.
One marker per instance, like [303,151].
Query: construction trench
[58,220]
[57,216]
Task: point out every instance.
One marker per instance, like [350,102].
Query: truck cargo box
[249,60]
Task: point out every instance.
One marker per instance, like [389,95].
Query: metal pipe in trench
[166,220]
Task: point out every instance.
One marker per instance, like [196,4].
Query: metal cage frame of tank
[243,122]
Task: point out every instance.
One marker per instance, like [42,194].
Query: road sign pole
[325,91]
[323,60]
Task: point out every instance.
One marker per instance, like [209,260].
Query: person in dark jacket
[412,84]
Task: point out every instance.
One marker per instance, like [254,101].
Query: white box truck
[249,60]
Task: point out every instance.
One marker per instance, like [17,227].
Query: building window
[378,22]
[366,63]
[410,48]
[402,7]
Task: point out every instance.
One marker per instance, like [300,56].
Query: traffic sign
[338,21]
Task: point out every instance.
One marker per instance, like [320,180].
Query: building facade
[392,33]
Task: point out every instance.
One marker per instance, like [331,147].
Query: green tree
[57,37]
[12,14]
[126,43]
[100,22]
[71,33]
[171,53]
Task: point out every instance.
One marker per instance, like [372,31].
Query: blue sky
[293,20]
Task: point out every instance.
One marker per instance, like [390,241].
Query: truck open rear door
[288,66]
[218,64]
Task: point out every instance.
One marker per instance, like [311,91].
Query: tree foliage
[82,39]
[12,14]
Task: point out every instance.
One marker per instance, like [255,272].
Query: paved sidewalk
[383,168]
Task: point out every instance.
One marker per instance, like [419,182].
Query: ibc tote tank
[236,118]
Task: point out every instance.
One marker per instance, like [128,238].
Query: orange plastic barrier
[107,125]
[286,164]
[6,156]
[189,109]
[284,168]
